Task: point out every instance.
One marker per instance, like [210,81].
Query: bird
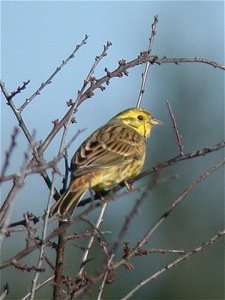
[111,155]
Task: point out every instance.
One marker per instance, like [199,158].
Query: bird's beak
[155,122]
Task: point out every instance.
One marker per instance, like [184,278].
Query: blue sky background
[37,36]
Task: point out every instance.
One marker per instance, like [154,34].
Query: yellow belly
[115,175]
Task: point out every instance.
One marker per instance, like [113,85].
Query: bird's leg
[101,194]
[128,185]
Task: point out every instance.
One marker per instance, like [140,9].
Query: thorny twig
[24,267]
[6,209]
[40,285]
[147,65]
[45,165]
[49,80]
[91,241]
[133,212]
[59,265]
[178,136]
[44,234]
[153,228]
[27,134]
[106,272]
[185,156]
[19,89]
[190,253]
[8,153]
[79,100]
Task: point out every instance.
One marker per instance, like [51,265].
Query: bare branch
[108,267]
[44,234]
[5,292]
[177,261]
[49,80]
[16,113]
[44,165]
[178,136]
[6,209]
[59,266]
[186,156]
[19,89]
[8,153]
[40,285]
[133,213]
[153,228]
[26,132]
[178,60]
[147,65]
[91,241]
[24,267]
[68,116]
[143,252]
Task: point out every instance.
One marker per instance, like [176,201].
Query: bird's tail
[65,206]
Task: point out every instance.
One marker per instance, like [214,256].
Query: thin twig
[5,292]
[8,153]
[177,261]
[161,251]
[186,156]
[26,251]
[61,238]
[147,65]
[78,101]
[178,135]
[16,113]
[7,207]
[91,241]
[27,134]
[59,266]
[44,234]
[133,213]
[20,89]
[24,267]
[153,228]
[40,285]
[49,80]
[44,165]
[108,267]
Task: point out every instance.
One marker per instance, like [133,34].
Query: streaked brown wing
[112,144]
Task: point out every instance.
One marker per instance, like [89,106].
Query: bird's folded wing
[108,146]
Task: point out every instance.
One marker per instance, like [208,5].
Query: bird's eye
[140,117]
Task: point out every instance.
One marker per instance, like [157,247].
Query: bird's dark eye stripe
[140,117]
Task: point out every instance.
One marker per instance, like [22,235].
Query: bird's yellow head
[139,119]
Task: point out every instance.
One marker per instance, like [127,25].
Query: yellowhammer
[114,153]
